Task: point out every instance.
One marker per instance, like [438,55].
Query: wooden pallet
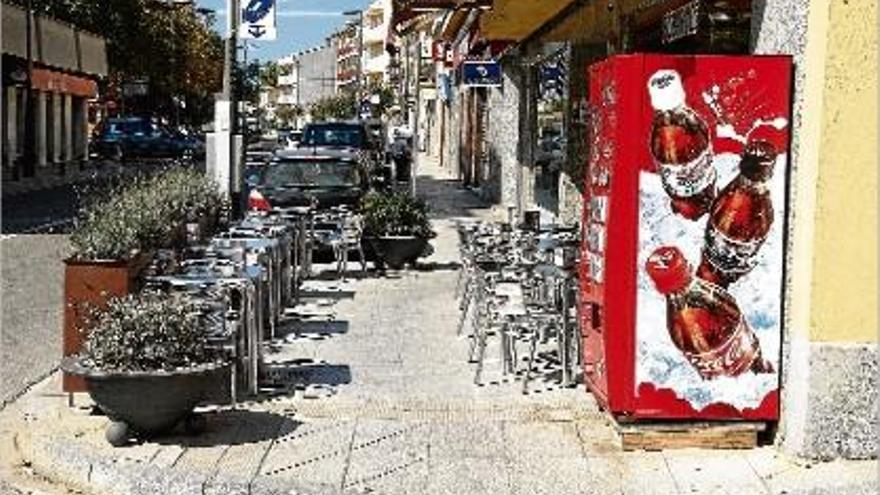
[682,435]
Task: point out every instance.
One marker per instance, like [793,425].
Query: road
[39,211]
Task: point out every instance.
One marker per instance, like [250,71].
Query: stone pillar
[10,138]
[504,134]
[67,132]
[81,128]
[830,366]
[40,128]
[57,128]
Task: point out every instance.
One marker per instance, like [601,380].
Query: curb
[64,462]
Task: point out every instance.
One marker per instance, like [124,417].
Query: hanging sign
[257,20]
[481,73]
[681,22]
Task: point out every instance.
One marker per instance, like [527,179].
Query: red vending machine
[683,232]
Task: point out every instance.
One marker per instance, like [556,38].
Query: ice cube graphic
[758,294]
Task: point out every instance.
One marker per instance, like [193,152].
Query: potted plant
[147,363]
[397,227]
[115,235]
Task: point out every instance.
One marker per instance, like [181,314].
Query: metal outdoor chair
[347,239]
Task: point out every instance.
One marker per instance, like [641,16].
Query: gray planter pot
[147,403]
[396,251]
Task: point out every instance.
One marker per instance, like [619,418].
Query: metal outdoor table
[238,293]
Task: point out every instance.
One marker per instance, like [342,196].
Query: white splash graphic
[726,128]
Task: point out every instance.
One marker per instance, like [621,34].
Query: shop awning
[515,20]
[404,10]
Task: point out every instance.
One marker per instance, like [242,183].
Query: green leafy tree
[340,106]
[287,114]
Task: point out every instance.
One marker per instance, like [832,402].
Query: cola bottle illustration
[704,320]
[680,147]
[740,219]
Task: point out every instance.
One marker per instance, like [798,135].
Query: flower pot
[147,402]
[90,284]
[396,251]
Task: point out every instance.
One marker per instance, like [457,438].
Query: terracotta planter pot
[87,284]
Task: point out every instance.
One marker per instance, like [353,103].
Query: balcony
[375,34]
[288,80]
[377,64]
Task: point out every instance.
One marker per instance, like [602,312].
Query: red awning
[59,82]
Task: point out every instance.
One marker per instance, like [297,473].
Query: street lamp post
[360,58]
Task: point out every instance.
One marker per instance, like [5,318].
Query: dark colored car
[326,177]
[352,137]
[129,137]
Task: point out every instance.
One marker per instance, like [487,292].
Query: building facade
[316,73]
[375,59]
[68,65]
[347,42]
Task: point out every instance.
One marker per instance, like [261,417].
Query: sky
[301,24]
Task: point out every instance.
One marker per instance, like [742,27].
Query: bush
[143,215]
[147,332]
[395,215]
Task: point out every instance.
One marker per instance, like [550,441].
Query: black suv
[324,177]
[351,136]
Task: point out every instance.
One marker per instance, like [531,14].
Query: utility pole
[416,112]
[233,163]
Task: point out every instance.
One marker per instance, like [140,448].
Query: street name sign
[257,20]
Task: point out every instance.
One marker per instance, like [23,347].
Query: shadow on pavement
[455,201]
[312,330]
[234,427]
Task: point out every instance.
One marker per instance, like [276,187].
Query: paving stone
[466,440]
[714,472]
[528,440]
[597,437]
[248,448]
[545,475]
[314,453]
[167,456]
[389,457]
[468,475]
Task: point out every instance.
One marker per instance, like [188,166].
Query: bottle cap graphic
[669,269]
[758,159]
[666,90]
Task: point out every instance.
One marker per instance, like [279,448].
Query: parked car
[260,151]
[120,138]
[351,137]
[304,177]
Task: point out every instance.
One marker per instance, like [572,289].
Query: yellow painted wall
[843,306]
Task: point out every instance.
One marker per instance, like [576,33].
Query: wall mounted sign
[481,73]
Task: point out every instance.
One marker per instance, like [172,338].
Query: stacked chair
[516,287]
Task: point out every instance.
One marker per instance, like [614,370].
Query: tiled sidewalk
[374,395]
